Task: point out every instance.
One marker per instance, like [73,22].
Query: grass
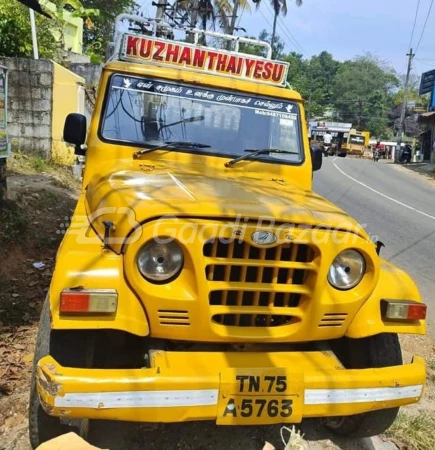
[24,164]
[417,431]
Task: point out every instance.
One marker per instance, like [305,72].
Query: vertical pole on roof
[34,39]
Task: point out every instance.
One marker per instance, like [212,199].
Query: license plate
[257,396]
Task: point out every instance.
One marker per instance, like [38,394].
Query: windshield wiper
[170,145]
[186,120]
[254,153]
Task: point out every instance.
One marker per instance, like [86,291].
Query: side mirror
[74,131]
[316,157]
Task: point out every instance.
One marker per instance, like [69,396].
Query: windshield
[146,112]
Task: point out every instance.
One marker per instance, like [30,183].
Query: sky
[348,28]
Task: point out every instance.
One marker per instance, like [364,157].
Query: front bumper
[184,386]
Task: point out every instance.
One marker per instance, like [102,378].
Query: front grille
[245,320]
[256,281]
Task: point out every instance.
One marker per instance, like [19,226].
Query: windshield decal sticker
[145,49]
[283,115]
[158,87]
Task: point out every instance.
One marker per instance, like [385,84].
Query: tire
[43,427]
[382,350]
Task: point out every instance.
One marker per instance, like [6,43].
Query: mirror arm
[80,150]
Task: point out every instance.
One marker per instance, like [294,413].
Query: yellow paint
[355,149]
[72,28]
[393,284]
[196,371]
[68,97]
[203,194]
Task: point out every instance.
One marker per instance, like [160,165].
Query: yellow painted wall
[68,97]
[73,29]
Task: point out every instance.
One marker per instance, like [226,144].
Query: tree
[16,35]
[15,29]
[362,90]
[100,33]
[321,72]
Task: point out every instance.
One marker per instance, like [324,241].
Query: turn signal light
[88,301]
[404,310]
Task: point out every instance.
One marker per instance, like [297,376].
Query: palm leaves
[222,12]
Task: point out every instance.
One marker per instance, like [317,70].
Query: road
[396,205]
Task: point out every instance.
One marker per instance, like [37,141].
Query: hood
[138,194]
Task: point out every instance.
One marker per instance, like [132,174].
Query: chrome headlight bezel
[165,261]
[341,269]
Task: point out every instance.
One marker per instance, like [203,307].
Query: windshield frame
[197,151]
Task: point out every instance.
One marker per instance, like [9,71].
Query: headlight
[347,270]
[160,262]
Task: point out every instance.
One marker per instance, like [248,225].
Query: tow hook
[108,227]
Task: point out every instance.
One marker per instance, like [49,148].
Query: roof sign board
[144,49]
[427,82]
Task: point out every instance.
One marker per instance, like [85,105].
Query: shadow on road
[207,435]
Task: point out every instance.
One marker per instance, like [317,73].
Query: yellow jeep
[201,278]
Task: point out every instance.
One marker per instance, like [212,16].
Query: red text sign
[142,49]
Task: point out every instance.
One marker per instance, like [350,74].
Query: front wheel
[382,350]
[42,426]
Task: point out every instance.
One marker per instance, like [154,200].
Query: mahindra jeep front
[202,279]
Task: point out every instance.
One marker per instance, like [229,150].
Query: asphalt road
[395,204]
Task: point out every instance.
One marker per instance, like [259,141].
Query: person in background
[327,138]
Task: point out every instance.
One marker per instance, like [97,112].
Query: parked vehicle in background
[406,155]
[339,132]
[201,277]
[356,142]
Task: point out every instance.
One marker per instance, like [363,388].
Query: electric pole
[194,16]
[404,105]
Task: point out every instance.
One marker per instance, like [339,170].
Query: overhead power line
[424,26]
[415,23]
[286,31]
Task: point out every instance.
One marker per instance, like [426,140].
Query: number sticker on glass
[260,396]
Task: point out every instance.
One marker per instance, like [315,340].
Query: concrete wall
[41,95]
[90,72]
[30,104]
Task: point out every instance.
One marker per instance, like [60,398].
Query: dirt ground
[31,228]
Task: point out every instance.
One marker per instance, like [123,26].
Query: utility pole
[34,38]
[160,14]
[404,104]
[233,17]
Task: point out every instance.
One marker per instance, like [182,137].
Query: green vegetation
[415,430]
[60,174]
[15,30]
[363,91]
[100,33]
